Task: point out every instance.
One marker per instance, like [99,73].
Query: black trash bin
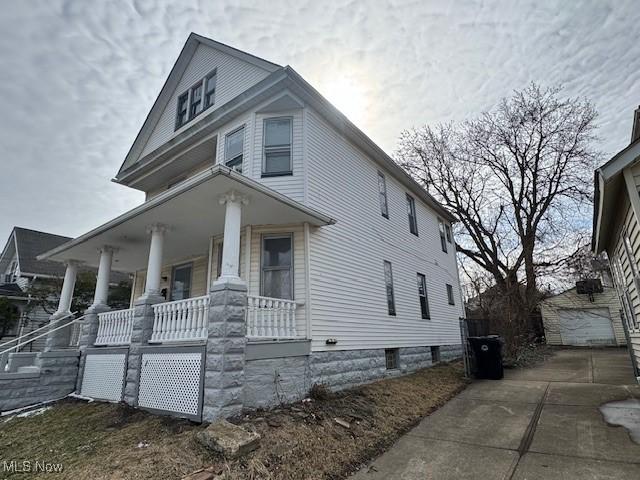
[487,352]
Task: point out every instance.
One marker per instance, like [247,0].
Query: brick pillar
[140,335]
[88,334]
[225,356]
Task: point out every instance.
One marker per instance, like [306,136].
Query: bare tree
[518,179]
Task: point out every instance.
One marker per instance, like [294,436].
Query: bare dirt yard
[327,437]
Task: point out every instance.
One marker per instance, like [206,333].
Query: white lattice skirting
[171,382]
[103,376]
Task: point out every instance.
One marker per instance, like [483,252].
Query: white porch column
[231,245]
[68,285]
[104,273]
[154,267]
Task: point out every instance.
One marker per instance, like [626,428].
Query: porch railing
[181,320]
[114,328]
[271,317]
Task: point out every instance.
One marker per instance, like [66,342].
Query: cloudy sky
[77,78]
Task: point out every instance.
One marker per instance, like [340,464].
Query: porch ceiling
[193,214]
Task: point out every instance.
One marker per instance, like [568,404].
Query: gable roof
[171,83]
[27,245]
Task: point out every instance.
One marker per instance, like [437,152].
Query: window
[191,103]
[196,101]
[277,147]
[435,354]
[382,193]
[391,358]
[443,240]
[447,229]
[388,280]
[411,210]
[181,282]
[277,266]
[450,295]
[181,117]
[210,89]
[422,294]
[233,149]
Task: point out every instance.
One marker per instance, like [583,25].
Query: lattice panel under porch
[171,382]
[103,376]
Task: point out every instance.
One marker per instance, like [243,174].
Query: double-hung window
[196,100]
[181,281]
[422,295]
[210,89]
[277,266]
[450,295]
[382,193]
[388,280]
[233,149]
[443,239]
[447,229]
[411,211]
[276,158]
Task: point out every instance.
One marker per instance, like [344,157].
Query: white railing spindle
[181,320]
[271,317]
[114,328]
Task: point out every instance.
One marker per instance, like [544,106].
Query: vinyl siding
[348,294]
[621,263]
[234,76]
[571,300]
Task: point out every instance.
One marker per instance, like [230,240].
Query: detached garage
[575,319]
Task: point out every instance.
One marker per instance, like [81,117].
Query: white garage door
[586,327]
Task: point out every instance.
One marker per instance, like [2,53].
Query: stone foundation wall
[450,352]
[56,379]
[273,381]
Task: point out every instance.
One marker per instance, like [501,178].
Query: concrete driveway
[538,423]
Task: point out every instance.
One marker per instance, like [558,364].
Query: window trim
[384,209]
[450,297]
[275,148]
[270,236]
[225,160]
[391,305]
[205,82]
[189,93]
[173,274]
[412,214]
[426,315]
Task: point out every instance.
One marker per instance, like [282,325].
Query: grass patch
[299,441]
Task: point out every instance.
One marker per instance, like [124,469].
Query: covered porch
[217,227]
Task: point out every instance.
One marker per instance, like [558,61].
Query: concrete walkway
[538,423]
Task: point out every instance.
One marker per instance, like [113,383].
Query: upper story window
[422,295]
[411,211]
[382,193]
[450,295]
[233,149]
[388,280]
[196,100]
[443,239]
[210,89]
[277,147]
[447,229]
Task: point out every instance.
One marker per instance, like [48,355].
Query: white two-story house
[251,176]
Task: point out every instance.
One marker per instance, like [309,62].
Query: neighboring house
[338,267]
[616,229]
[20,269]
[578,319]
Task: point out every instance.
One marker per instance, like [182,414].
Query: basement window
[435,354]
[392,358]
